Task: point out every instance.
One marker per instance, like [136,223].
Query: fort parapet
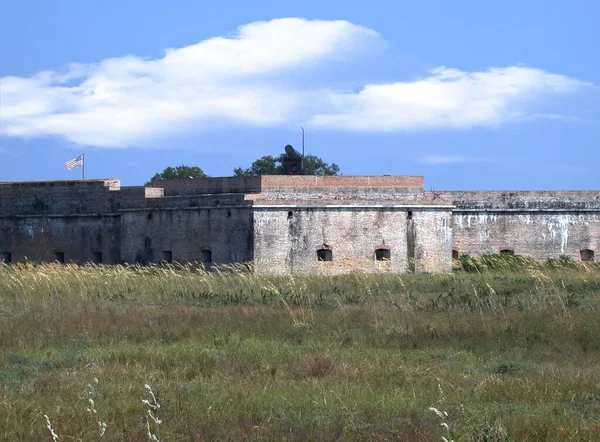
[290,224]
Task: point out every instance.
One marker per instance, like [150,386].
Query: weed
[443,416]
[91,393]
[50,429]
[151,417]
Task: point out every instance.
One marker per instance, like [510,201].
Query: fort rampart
[290,224]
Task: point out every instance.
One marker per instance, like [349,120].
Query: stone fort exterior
[290,223]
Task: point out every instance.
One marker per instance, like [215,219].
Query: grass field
[503,352]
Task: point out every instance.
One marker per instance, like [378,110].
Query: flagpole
[82,167]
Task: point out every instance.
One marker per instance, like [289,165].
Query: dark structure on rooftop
[292,161]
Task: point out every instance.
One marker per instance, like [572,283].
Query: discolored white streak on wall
[537,234]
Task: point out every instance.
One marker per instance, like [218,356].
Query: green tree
[269,165]
[181,172]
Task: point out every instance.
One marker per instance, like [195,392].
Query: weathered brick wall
[147,233]
[82,220]
[537,234]
[199,186]
[79,219]
[519,199]
[80,238]
[272,185]
[433,239]
[150,198]
[287,239]
[538,224]
[307,181]
[244,218]
[336,195]
[59,197]
[338,189]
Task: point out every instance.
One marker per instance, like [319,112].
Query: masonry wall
[59,197]
[315,181]
[280,222]
[49,221]
[212,186]
[538,224]
[80,239]
[433,240]
[273,187]
[340,188]
[186,235]
[536,234]
[544,200]
[287,239]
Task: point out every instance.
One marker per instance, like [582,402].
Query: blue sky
[470,94]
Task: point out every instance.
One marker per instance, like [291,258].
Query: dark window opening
[587,255]
[60,257]
[97,257]
[206,256]
[383,255]
[324,255]
[229,214]
[454,254]
[6,258]
[149,216]
[147,244]
[290,214]
[409,214]
[167,256]
[507,252]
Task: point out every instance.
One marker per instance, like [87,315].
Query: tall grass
[489,281]
[508,352]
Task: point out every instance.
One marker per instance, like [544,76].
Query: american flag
[77,161]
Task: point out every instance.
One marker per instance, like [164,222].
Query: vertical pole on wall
[302,161]
[82,167]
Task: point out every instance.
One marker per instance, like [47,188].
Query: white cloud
[249,79]
[435,160]
[447,98]
[128,100]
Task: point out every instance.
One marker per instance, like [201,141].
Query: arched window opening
[290,214]
[454,254]
[586,255]
[60,257]
[206,256]
[324,255]
[6,258]
[383,255]
[507,252]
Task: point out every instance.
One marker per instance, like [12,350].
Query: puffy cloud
[128,100]
[249,78]
[447,98]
